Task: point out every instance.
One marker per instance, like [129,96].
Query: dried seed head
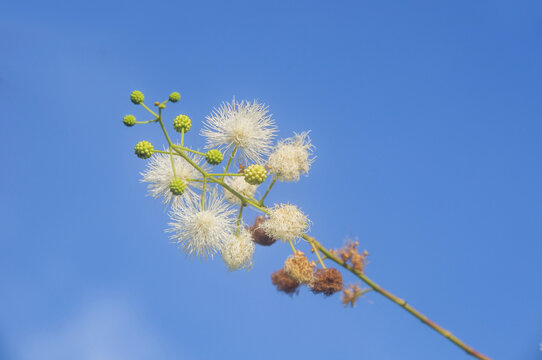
[299,268]
[258,235]
[327,281]
[351,294]
[283,282]
[350,253]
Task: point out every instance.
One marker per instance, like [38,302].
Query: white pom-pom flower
[291,157]
[238,251]
[238,184]
[202,232]
[244,125]
[159,174]
[285,222]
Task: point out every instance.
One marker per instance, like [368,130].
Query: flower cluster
[206,206]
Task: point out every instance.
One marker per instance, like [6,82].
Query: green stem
[149,110]
[268,189]
[402,303]
[147,122]
[182,138]
[229,160]
[234,174]
[172,162]
[239,217]
[203,193]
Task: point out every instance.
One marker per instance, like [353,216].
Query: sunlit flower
[291,157]
[285,222]
[159,174]
[244,125]
[202,232]
[238,250]
[238,184]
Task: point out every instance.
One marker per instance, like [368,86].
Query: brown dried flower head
[299,268]
[283,282]
[258,235]
[327,281]
[349,253]
[351,294]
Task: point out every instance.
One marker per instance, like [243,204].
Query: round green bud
[177,187]
[214,157]
[129,120]
[137,97]
[182,123]
[255,174]
[144,149]
[174,97]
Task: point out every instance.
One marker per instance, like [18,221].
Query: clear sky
[427,118]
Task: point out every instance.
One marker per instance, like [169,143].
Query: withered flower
[327,281]
[258,235]
[283,282]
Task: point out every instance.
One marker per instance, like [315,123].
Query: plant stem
[149,110]
[268,189]
[239,219]
[229,160]
[402,303]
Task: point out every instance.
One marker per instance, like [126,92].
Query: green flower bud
[161,106]
[129,120]
[214,157]
[144,149]
[177,187]
[137,97]
[174,97]
[255,174]
[182,123]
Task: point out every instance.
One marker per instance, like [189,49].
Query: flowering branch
[205,224]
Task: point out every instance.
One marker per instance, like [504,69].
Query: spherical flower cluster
[177,186]
[214,157]
[129,120]
[144,149]
[299,268]
[241,125]
[285,222]
[137,97]
[174,97]
[255,174]
[182,123]
[238,184]
[202,232]
[291,157]
[238,250]
[159,175]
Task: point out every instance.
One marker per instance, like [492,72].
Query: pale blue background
[427,120]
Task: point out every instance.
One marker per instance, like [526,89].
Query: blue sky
[427,121]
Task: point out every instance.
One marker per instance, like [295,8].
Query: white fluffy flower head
[243,124]
[159,174]
[238,184]
[285,222]
[291,157]
[238,250]
[202,232]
